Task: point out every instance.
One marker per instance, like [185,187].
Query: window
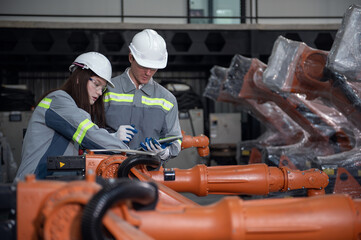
[215,11]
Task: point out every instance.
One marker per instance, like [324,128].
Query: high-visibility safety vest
[153,110]
[59,127]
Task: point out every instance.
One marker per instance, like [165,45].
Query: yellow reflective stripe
[118,97]
[157,101]
[81,131]
[45,103]
[179,140]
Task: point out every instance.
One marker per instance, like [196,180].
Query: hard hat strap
[83,66]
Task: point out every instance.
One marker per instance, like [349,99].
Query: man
[144,109]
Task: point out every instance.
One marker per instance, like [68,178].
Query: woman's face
[96,86]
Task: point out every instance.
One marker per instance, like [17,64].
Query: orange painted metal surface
[99,163]
[255,157]
[322,217]
[167,196]
[201,142]
[253,179]
[284,131]
[346,184]
[53,210]
[286,162]
[107,165]
[310,68]
[254,88]
[48,209]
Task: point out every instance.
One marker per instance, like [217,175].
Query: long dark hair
[76,87]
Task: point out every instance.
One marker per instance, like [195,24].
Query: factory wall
[111,11]
[39,40]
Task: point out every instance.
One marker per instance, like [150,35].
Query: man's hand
[126,133]
[152,145]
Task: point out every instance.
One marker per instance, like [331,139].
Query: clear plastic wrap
[295,67]
[343,66]
[345,54]
[215,82]
[237,71]
[315,91]
[281,64]
[280,129]
[335,102]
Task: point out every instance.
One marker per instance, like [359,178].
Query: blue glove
[126,133]
[152,145]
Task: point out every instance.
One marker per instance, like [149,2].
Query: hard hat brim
[151,64]
[110,83]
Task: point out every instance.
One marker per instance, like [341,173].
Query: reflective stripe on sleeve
[157,101]
[118,97]
[45,103]
[83,127]
[178,140]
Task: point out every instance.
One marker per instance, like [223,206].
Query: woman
[70,118]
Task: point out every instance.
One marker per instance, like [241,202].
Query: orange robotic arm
[106,165]
[258,179]
[321,217]
[202,180]
[201,142]
[132,210]
[254,179]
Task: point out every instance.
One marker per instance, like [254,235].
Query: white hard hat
[149,49]
[96,62]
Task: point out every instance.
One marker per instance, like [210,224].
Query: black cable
[132,161]
[143,193]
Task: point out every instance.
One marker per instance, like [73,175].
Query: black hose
[104,182]
[340,81]
[143,193]
[134,160]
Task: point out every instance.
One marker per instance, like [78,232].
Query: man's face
[139,74]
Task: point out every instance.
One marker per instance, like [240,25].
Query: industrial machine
[319,91]
[200,180]
[135,197]
[322,134]
[126,209]
[253,179]
[318,121]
